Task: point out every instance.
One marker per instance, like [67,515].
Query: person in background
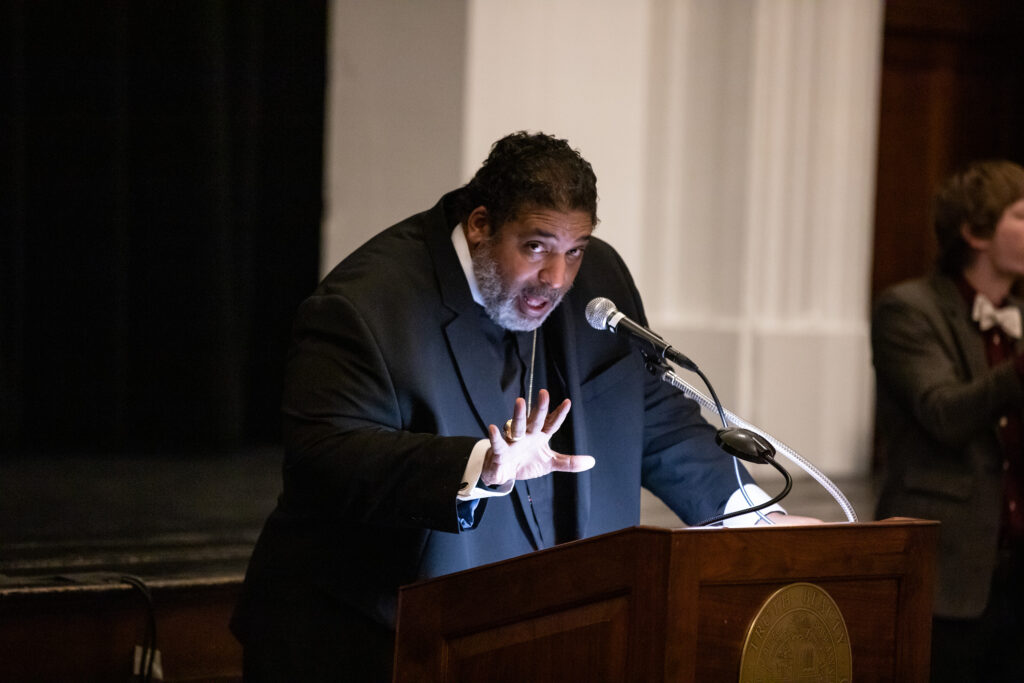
[949,364]
[441,381]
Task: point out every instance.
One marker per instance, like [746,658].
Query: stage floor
[171,517]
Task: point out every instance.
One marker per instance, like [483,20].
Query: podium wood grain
[657,604]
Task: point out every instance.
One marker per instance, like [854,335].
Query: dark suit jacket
[390,383]
[937,413]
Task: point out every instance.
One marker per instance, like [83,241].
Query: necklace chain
[529,389]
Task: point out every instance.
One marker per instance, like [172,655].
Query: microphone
[742,443]
[739,442]
[603,315]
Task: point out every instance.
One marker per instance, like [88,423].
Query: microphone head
[599,311]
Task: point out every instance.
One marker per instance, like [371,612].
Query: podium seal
[799,634]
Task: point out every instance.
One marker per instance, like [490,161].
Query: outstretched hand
[528,454]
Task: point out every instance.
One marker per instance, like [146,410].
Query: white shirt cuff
[738,502]
[470,489]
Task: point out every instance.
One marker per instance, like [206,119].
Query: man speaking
[447,405]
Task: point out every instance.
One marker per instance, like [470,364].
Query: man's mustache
[542,291]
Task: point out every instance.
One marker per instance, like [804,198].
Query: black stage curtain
[160,206]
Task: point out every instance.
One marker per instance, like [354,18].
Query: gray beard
[500,300]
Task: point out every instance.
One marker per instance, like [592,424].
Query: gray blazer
[937,423]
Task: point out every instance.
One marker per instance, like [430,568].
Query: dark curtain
[160,205]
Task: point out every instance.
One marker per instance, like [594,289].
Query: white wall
[733,142]
[573,68]
[394,126]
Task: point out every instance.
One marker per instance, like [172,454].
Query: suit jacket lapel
[466,339]
[962,328]
[478,373]
[562,336]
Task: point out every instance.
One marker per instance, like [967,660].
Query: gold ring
[508,433]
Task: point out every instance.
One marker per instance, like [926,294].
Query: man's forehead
[552,224]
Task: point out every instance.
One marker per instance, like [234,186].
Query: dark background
[160,192]
[160,205]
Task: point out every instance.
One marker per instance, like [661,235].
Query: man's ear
[973,241]
[477,227]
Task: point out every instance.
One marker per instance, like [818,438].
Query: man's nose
[553,272]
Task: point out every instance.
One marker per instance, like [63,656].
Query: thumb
[572,463]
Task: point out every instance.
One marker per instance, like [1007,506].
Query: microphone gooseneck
[744,442]
[780,447]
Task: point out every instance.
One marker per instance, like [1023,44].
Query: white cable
[746,496]
[674,379]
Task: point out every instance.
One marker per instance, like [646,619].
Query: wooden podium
[653,604]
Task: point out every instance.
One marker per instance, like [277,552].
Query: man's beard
[500,299]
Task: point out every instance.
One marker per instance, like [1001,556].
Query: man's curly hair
[530,171]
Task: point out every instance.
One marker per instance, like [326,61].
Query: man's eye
[535,247]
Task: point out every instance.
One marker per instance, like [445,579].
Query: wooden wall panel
[88,633]
[950,93]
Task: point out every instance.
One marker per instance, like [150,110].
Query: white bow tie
[988,316]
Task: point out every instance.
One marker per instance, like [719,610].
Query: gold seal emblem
[799,634]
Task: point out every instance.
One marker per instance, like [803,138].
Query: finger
[540,410]
[572,463]
[498,443]
[519,419]
[493,471]
[555,419]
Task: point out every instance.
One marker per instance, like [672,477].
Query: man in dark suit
[948,360]
[407,362]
